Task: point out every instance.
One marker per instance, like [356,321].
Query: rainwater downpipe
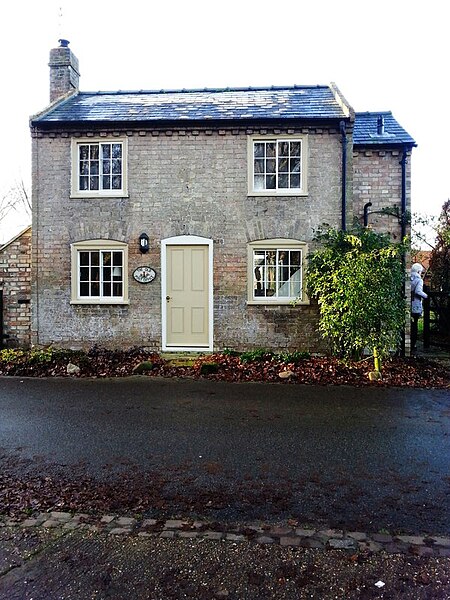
[403,196]
[403,229]
[344,174]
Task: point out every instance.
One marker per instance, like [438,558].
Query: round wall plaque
[144,274]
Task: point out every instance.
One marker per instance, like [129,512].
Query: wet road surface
[362,457]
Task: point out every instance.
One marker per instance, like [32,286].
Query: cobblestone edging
[331,539]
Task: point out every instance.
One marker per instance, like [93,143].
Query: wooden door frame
[186,240]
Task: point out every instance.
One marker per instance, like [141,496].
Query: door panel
[187,296]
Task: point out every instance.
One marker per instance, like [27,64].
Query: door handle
[168,298]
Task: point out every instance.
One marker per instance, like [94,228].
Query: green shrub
[143,367]
[229,352]
[357,278]
[209,368]
[11,355]
[294,357]
[259,354]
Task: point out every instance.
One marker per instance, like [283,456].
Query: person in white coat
[417,294]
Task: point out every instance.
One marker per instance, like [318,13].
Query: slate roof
[365,130]
[230,104]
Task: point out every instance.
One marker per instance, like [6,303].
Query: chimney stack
[64,71]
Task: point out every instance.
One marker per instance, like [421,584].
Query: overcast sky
[384,55]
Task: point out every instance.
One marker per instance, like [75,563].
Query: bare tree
[17,198]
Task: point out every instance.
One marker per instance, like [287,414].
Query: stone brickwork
[180,182]
[15,284]
[377,178]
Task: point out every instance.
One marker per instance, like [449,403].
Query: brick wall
[181,182]
[15,283]
[377,179]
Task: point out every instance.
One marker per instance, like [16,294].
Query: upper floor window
[277,165]
[99,167]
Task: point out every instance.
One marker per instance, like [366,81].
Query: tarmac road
[368,458]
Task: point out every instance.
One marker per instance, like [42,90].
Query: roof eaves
[181,123]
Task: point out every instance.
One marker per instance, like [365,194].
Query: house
[182,219]
[15,290]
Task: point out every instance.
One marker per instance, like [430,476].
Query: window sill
[291,302]
[278,193]
[94,302]
[90,196]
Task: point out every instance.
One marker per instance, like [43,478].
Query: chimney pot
[63,43]
[380,125]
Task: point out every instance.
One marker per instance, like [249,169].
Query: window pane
[282,165]
[107,289]
[84,289]
[106,273]
[271,281]
[84,273]
[259,165]
[84,152]
[117,289]
[93,183]
[117,166]
[295,258]
[270,182]
[95,258]
[259,182]
[295,165]
[93,152]
[295,148]
[258,270]
[258,149]
[270,149]
[106,150]
[95,288]
[117,258]
[295,181]
[106,182]
[84,183]
[283,148]
[106,167]
[117,150]
[84,167]
[283,181]
[94,167]
[116,182]
[295,283]
[84,258]
[106,258]
[270,166]
[95,273]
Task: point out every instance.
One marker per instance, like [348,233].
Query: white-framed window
[99,167]
[275,271]
[99,272]
[277,165]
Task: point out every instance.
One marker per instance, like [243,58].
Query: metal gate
[436,320]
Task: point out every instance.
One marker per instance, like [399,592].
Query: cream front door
[187,299]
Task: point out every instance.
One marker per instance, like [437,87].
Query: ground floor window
[99,272]
[276,271]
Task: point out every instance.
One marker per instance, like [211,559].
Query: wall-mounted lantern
[144,245]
